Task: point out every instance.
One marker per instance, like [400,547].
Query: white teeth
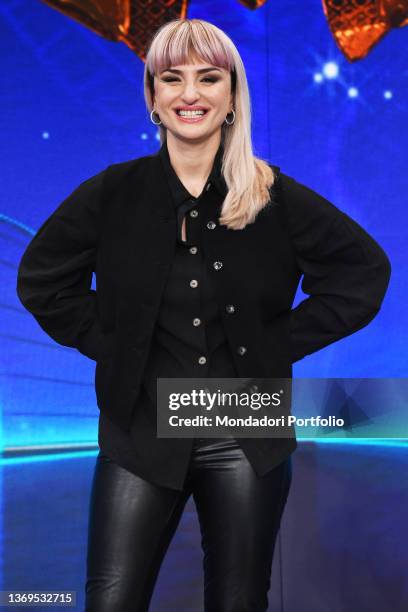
[190,113]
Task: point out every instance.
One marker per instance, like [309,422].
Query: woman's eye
[210,79]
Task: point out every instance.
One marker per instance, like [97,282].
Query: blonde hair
[248,178]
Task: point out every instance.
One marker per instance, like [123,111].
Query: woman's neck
[192,162]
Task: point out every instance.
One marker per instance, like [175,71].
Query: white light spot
[388,94]
[144,136]
[330,70]
[352,92]
[45,135]
[318,77]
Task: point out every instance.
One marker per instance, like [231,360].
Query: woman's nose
[190,91]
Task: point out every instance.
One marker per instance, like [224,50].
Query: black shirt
[188,341]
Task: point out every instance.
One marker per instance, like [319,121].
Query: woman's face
[198,85]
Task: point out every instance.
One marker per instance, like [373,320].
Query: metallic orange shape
[358,25]
[131,21]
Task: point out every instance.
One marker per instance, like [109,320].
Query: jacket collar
[178,191]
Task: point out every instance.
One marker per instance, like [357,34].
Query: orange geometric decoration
[130,21]
[358,25]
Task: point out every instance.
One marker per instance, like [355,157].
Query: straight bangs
[184,41]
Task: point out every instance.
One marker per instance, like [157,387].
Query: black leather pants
[132,522]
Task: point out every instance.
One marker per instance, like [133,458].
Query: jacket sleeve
[55,273]
[345,271]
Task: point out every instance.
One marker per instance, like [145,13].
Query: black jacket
[189,341]
[121,224]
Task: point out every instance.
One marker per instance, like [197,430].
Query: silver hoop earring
[151,118]
[230,122]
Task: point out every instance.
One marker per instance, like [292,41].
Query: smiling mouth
[191,114]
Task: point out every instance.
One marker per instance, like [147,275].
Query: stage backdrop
[72,104]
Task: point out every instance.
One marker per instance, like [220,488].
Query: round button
[193,213]
[193,283]
[196,322]
[217,265]
[241,350]
[230,308]
[193,250]
[211,225]
[202,359]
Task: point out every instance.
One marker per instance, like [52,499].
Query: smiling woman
[194,111]
[194,66]
[179,295]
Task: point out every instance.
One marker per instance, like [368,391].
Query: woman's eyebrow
[199,71]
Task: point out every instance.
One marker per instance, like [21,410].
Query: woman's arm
[55,273]
[346,272]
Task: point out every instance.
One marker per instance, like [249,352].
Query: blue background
[72,104]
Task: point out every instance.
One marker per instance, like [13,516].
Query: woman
[198,251]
